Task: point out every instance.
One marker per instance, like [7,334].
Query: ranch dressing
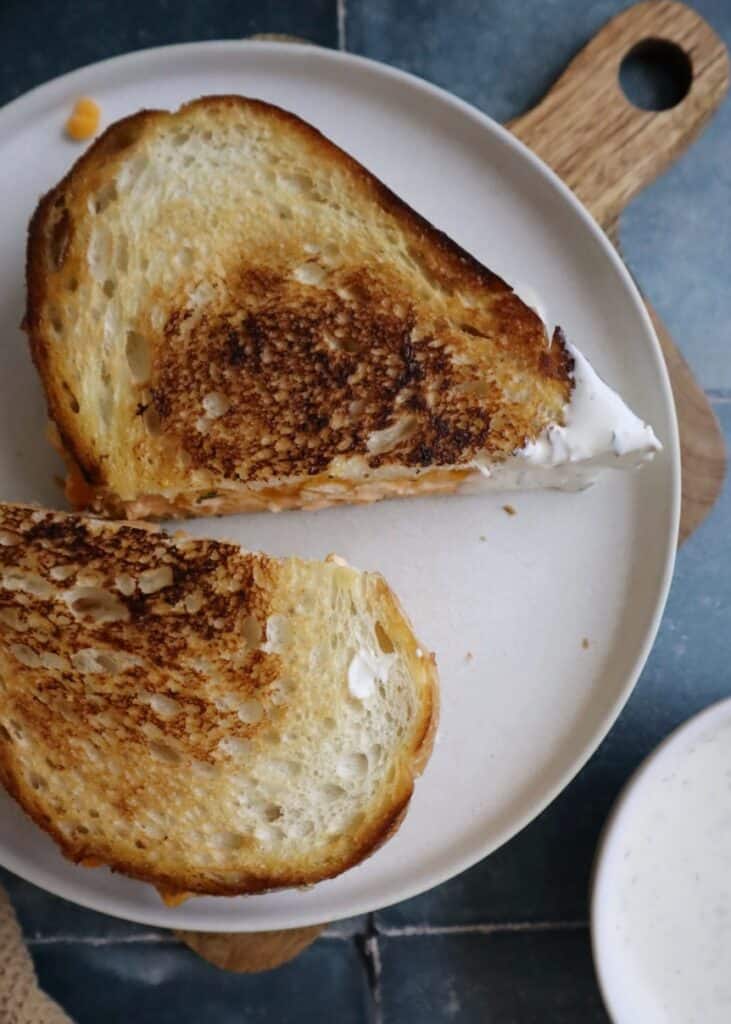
[662,901]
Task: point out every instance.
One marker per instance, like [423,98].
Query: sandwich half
[201,717]
[229,313]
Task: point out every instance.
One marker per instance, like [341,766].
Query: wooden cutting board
[606,150]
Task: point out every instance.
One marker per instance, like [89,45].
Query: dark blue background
[507,941]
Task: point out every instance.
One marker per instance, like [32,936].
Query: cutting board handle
[603,146]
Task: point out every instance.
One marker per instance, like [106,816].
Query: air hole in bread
[96,604]
[153,580]
[100,251]
[73,284]
[53,661]
[109,287]
[92,660]
[28,582]
[331,791]
[186,258]
[341,341]
[164,706]
[207,136]
[180,138]
[25,655]
[272,812]
[105,196]
[353,766]
[8,538]
[384,640]
[37,781]
[250,711]
[130,172]
[163,752]
[193,602]
[299,183]
[125,584]
[284,213]
[310,273]
[215,404]
[93,813]
[152,421]
[279,633]
[386,440]
[469,329]
[4,734]
[60,236]
[229,841]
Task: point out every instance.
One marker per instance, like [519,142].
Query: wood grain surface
[606,150]
[250,952]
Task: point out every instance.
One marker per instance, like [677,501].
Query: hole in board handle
[656,74]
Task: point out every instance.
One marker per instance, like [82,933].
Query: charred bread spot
[293,369]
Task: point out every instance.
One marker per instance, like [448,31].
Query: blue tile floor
[506,942]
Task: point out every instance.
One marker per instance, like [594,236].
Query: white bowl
[661,892]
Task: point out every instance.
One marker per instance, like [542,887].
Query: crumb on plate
[509,510]
[585,643]
[469,656]
[84,120]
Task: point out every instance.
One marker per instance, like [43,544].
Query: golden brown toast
[201,717]
[228,312]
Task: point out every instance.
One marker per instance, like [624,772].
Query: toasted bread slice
[200,717]
[229,313]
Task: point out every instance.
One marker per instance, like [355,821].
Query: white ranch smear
[600,431]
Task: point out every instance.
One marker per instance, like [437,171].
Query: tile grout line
[368,940]
[370,951]
[143,939]
[342,15]
[414,930]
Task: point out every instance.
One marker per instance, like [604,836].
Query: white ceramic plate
[658,883]
[523,703]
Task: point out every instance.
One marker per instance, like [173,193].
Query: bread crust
[404,355]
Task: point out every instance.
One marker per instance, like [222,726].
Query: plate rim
[48,94]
